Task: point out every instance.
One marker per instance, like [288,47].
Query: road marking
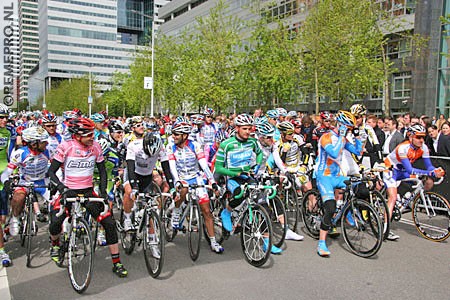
[409,222]
[4,286]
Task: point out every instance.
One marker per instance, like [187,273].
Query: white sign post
[148,83]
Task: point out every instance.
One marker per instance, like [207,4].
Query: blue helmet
[265,129]
[272,114]
[98,118]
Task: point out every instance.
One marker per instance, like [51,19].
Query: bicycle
[190,211]
[148,231]
[253,223]
[28,227]
[77,241]
[430,211]
[360,222]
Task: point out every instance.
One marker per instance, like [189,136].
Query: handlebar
[82,199]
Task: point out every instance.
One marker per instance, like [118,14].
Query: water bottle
[407,199]
[339,204]
[66,225]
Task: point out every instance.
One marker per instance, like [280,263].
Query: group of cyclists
[71,150]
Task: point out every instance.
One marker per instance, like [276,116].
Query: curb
[4,286]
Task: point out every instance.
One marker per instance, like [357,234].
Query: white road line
[4,286]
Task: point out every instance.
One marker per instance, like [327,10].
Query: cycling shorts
[327,184]
[201,193]
[392,178]
[3,203]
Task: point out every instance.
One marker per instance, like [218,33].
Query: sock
[2,250]
[152,237]
[127,215]
[212,239]
[115,258]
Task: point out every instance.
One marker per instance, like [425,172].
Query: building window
[398,7]
[399,46]
[401,86]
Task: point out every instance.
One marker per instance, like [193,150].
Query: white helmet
[244,120]
[34,134]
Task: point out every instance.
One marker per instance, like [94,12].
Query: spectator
[307,129]
[438,143]
[393,136]
[406,123]
[440,121]
[380,123]
[445,128]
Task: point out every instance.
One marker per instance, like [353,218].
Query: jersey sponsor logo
[81,164]
[3,141]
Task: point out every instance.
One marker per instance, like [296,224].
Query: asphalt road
[411,268]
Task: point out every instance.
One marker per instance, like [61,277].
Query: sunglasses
[138,125]
[3,117]
[419,137]
[88,135]
[48,126]
[298,127]
[118,132]
[289,132]
[176,134]
[327,121]
[208,116]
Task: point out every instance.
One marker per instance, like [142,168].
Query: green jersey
[5,137]
[235,156]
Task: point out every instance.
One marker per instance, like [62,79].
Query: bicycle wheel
[379,203]
[195,228]
[29,234]
[153,239]
[276,212]
[256,235]
[166,219]
[311,212]
[432,216]
[23,228]
[80,256]
[127,238]
[291,206]
[216,209]
[363,232]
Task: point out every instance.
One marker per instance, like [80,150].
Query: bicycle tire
[153,263]
[379,203]
[166,216]
[127,238]
[291,205]
[22,229]
[254,230]
[80,256]
[434,228]
[195,228]
[275,212]
[367,229]
[312,217]
[29,234]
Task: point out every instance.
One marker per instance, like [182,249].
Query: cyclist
[63,128]
[329,175]
[400,161]
[235,159]
[187,161]
[79,157]
[324,127]
[48,122]
[272,116]
[142,155]
[100,131]
[32,162]
[5,142]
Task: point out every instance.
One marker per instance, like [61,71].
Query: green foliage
[69,94]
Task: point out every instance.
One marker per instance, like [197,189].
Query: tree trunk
[316,78]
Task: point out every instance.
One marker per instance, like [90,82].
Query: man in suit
[438,143]
[393,136]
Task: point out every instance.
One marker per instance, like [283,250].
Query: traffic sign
[148,83]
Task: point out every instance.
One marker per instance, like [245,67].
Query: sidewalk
[4,286]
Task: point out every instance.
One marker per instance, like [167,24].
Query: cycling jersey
[5,136]
[207,134]
[53,142]
[185,162]
[98,134]
[267,160]
[319,131]
[144,164]
[63,130]
[79,163]
[235,156]
[32,165]
[287,159]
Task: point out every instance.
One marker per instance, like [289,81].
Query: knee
[329,208]
[110,229]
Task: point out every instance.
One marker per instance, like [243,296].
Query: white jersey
[144,164]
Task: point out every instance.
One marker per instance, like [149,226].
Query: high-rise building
[99,37]
[421,84]
[15,59]
[28,43]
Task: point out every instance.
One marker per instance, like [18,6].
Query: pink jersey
[79,163]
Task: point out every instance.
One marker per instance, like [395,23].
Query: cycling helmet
[286,127]
[265,129]
[220,136]
[151,126]
[181,119]
[104,113]
[181,128]
[48,117]
[244,120]
[152,144]
[34,134]
[417,129]
[77,111]
[197,119]
[133,121]
[81,126]
[358,110]
[4,111]
[98,118]
[12,114]
[325,115]
[346,118]
[261,120]
[296,122]
[209,112]
[69,115]
[115,126]
[166,119]
[272,114]
[292,113]
[281,112]
[104,144]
